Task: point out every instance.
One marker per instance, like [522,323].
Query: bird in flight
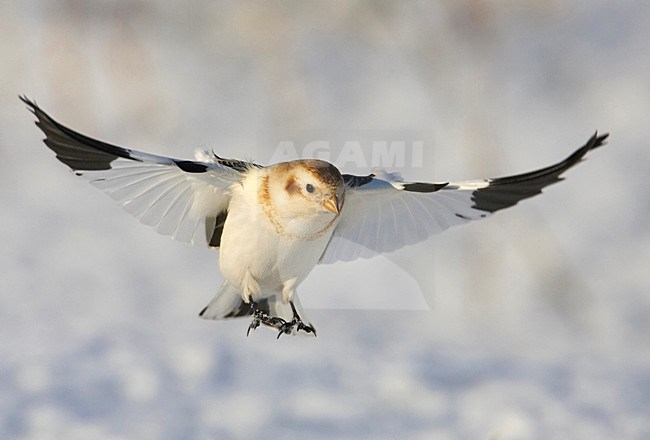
[272,224]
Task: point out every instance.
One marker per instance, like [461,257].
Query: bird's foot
[261,317]
[287,327]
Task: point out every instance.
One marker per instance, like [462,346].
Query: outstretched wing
[184,199]
[382,213]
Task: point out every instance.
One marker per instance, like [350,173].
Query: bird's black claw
[287,328]
[254,324]
[284,327]
[260,317]
[306,328]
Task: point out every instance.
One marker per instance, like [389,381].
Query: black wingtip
[31,105]
[594,142]
[598,140]
[504,192]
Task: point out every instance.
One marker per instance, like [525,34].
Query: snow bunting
[273,224]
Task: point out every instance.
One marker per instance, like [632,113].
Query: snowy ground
[533,324]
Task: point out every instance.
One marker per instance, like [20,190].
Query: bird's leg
[261,317]
[256,318]
[301,325]
[287,327]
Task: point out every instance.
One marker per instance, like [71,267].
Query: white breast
[253,246]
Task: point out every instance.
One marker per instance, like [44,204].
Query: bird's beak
[332,204]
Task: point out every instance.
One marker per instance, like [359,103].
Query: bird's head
[310,190]
[315,184]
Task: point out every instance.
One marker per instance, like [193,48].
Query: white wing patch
[383,213]
[179,198]
[390,219]
[173,202]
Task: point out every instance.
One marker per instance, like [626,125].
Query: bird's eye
[310,188]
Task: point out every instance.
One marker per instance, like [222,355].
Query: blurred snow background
[533,324]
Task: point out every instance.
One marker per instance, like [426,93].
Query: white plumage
[273,224]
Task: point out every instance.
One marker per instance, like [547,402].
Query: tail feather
[227,303]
